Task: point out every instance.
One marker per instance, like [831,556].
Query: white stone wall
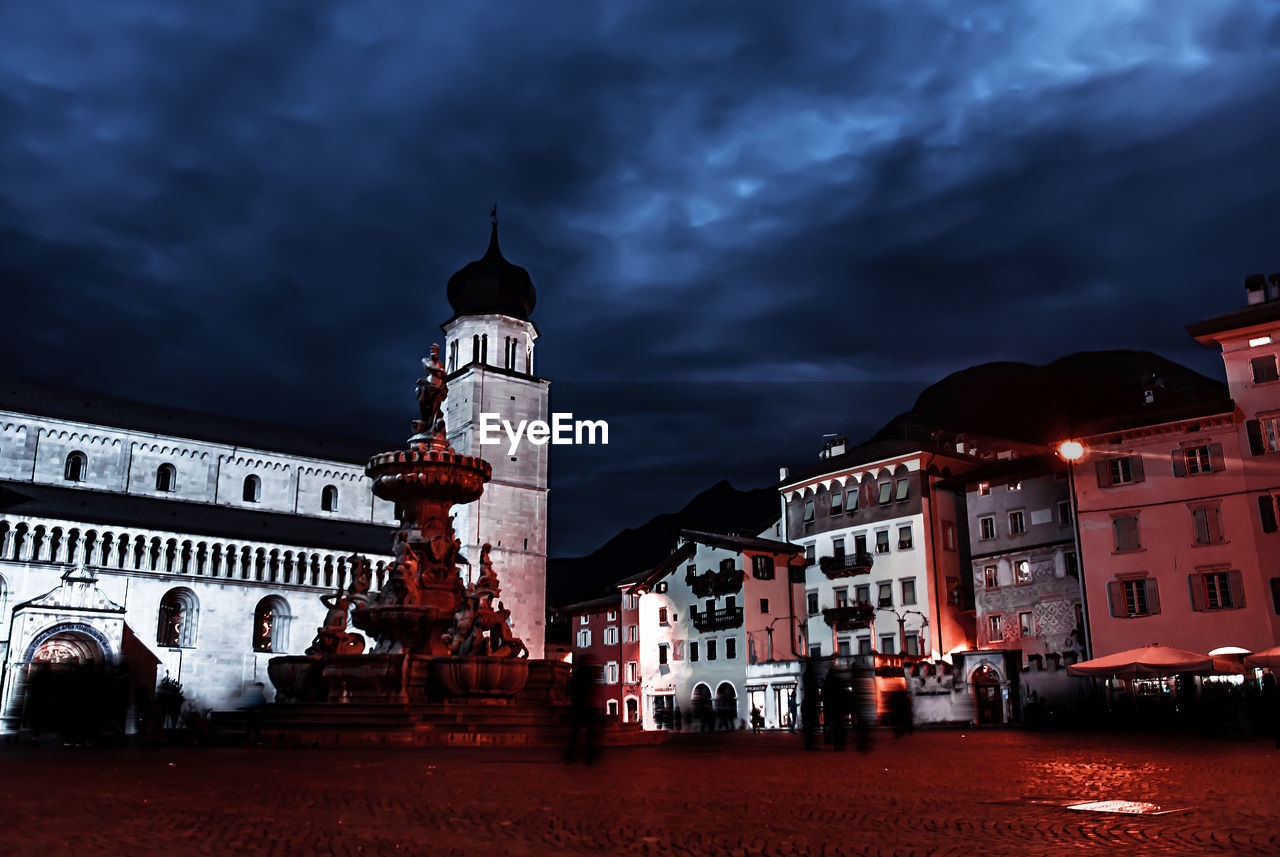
[36,448]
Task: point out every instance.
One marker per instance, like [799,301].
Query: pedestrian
[809,708]
[834,709]
[582,713]
[1271,706]
[757,720]
[791,710]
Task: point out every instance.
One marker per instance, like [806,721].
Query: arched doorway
[633,710]
[703,714]
[987,696]
[64,684]
[726,707]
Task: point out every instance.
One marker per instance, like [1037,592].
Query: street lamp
[1072,451]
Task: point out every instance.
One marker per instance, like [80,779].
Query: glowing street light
[1071,450]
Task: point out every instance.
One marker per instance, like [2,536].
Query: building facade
[489,358]
[127,531]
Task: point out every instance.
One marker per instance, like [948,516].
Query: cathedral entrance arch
[987,696]
[703,714]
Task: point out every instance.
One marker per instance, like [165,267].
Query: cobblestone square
[952,792]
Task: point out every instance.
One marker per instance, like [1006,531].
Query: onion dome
[491,284]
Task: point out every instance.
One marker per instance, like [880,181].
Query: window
[584,619]
[1026,625]
[882,541]
[837,502]
[1126,530]
[1133,597]
[633,602]
[1264,369]
[887,646]
[860,543]
[611,675]
[252,489]
[1071,563]
[1119,471]
[1022,571]
[271,625]
[901,489]
[912,646]
[904,537]
[633,633]
[884,594]
[842,596]
[1197,459]
[886,489]
[1216,590]
[662,615]
[1267,513]
[851,500]
[611,705]
[1017,523]
[812,605]
[864,645]
[987,527]
[584,639]
[329,499]
[727,565]
[991,577]
[764,605]
[611,616]
[815,651]
[984,489]
[908,588]
[837,549]
[75,467]
[1064,513]
[1206,521]
[693,651]
[731,648]
[862,594]
[810,555]
[662,653]
[843,645]
[1015,486]
[1275,595]
[948,535]
[994,631]
[808,511]
[633,671]
[711,650]
[179,613]
[611,635]
[762,567]
[166,477]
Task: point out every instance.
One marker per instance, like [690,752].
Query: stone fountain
[435,638]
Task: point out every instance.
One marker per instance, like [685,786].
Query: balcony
[851,617]
[849,565]
[709,584]
[716,620]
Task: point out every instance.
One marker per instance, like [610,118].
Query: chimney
[839,445]
[783,473]
[1255,287]
[1273,286]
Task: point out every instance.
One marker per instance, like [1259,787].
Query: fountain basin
[466,677]
[298,678]
[420,473]
[415,628]
[365,678]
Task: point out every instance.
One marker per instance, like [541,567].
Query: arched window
[453,356]
[329,498]
[76,464]
[166,477]
[475,348]
[179,615]
[484,348]
[271,625]
[252,489]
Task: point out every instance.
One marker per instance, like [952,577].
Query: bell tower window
[329,499]
[166,478]
[252,489]
[75,467]
[475,348]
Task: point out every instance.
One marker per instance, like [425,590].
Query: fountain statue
[434,637]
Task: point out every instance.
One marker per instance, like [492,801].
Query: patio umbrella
[1265,658]
[1148,662]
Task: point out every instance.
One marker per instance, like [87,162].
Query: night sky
[749,224]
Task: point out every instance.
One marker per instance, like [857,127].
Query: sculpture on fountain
[432,635]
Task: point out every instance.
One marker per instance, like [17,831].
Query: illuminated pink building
[1178,504]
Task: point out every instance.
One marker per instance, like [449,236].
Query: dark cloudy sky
[749,224]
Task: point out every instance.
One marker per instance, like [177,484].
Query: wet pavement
[946,793]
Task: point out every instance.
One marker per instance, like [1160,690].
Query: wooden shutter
[1153,596]
[1216,460]
[1254,429]
[1103,467]
[1213,520]
[1267,512]
[1115,595]
[1135,467]
[1195,586]
[1179,461]
[1236,580]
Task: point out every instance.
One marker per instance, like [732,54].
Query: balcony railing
[851,617]
[716,620]
[849,565]
[709,584]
